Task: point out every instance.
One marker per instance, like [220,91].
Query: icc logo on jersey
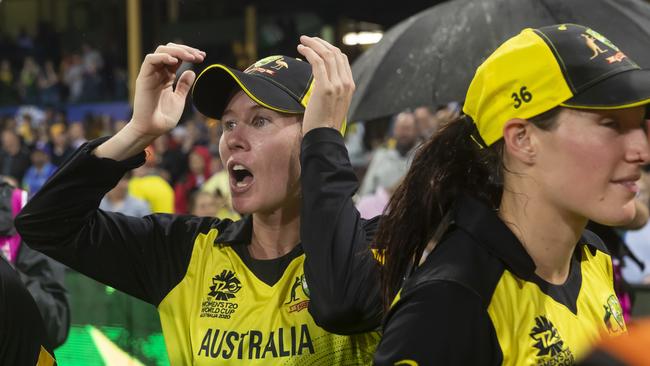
[219,302]
[225,286]
[549,344]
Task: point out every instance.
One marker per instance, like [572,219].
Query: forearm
[341,271]
[124,144]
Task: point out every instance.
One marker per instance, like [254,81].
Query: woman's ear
[518,140]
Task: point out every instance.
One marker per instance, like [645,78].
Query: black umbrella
[430,58]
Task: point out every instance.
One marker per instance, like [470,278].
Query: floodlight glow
[352,38]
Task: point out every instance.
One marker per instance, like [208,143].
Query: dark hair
[452,161]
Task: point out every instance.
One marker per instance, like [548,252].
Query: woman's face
[260,148]
[588,164]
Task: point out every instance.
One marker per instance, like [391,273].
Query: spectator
[203,204]
[170,158]
[92,85]
[426,121]
[61,149]
[119,200]
[48,85]
[25,42]
[40,170]
[27,83]
[73,75]
[91,58]
[77,134]
[7,91]
[147,185]
[14,157]
[199,172]
[120,84]
[389,164]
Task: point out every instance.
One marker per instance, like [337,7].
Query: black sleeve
[44,279]
[440,323]
[341,272]
[144,257]
[22,333]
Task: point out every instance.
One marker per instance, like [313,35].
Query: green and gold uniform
[476,300]
[217,304]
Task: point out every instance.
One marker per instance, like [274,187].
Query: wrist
[126,143]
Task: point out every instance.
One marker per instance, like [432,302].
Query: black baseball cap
[279,83]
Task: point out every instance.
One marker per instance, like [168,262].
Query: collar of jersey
[238,232]
[483,224]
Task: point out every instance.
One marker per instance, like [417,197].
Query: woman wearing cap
[553,136]
[268,289]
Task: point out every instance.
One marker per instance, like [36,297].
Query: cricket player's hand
[333,84]
[158,105]
[159,100]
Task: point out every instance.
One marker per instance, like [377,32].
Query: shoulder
[458,259]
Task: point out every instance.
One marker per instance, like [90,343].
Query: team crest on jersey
[219,302]
[550,346]
[614,315]
[298,300]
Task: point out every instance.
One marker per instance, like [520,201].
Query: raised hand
[158,106]
[333,84]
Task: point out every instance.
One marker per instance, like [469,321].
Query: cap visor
[625,90]
[215,84]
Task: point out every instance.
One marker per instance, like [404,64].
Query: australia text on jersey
[256,344]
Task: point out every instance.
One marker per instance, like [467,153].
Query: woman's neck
[275,234]
[548,234]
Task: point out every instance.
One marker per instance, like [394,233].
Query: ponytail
[453,161]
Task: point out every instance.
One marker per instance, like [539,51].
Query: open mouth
[241,177]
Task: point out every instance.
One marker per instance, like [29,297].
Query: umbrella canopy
[430,58]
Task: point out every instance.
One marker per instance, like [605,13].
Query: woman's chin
[242,207]
[623,217]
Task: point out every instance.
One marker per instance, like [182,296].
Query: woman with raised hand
[268,289]
[488,226]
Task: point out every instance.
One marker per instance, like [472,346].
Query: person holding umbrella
[488,226]
[269,289]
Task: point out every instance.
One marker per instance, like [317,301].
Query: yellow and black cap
[279,83]
[560,65]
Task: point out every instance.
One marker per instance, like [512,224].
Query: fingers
[168,56]
[336,63]
[328,55]
[160,59]
[195,51]
[155,62]
[184,83]
[318,66]
[180,52]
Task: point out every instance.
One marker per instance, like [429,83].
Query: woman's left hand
[333,84]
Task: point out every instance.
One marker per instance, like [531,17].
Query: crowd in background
[37,70]
[186,161]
